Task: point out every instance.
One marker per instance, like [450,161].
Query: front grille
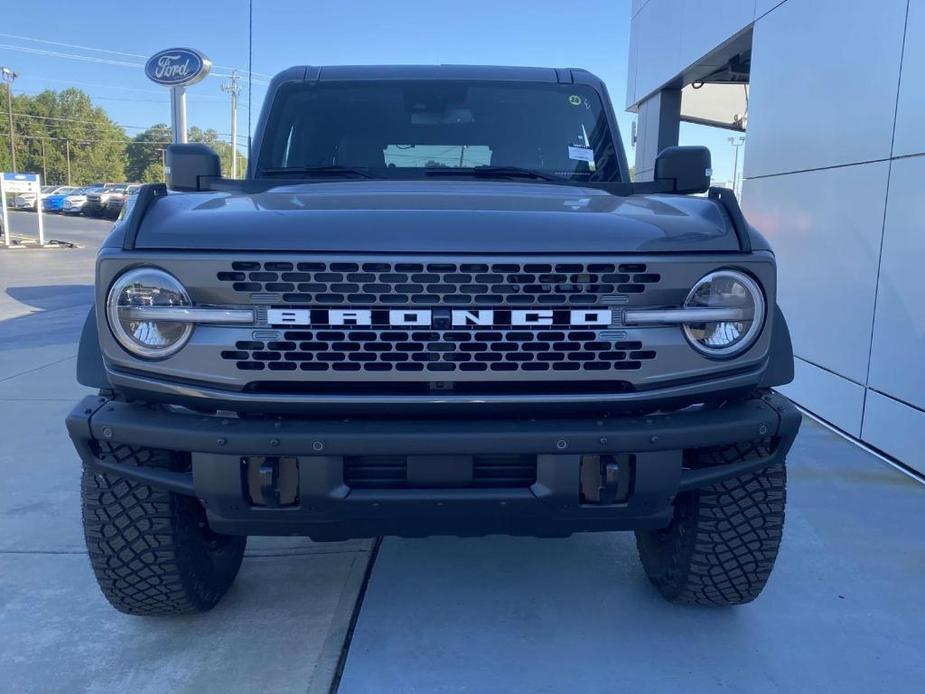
[438,284]
[391,472]
[479,349]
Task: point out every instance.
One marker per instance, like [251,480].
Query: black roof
[417,72]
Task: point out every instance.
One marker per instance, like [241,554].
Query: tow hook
[606,479]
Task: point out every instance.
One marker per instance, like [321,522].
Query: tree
[211,138]
[55,128]
[64,137]
[144,155]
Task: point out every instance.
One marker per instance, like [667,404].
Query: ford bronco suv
[435,305]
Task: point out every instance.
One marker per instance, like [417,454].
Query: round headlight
[726,289]
[143,337]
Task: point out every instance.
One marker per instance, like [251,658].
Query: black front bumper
[327,507]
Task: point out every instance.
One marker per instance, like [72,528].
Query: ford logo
[177,67]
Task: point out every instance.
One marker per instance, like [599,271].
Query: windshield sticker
[579,153]
[574,100]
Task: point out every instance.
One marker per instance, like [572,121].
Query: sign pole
[178,113]
[7,234]
[38,209]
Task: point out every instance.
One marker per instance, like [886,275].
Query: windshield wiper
[318,171]
[494,172]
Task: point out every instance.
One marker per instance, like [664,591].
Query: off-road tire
[152,551]
[722,542]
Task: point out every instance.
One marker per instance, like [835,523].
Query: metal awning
[720,104]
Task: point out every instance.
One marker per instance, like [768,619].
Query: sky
[102,48]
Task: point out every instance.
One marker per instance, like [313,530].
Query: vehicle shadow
[59,312]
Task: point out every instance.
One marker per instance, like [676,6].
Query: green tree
[211,138]
[61,131]
[144,155]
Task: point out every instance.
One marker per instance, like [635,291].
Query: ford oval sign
[177,67]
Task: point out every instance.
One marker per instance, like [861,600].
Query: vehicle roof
[410,72]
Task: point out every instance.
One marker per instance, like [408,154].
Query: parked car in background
[116,201]
[29,201]
[53,202]
[98,200]
[75,202]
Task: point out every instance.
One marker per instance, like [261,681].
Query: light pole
[736,142]
[233,88]
[8,76]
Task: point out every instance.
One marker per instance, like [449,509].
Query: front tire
[152,551]
[722,542]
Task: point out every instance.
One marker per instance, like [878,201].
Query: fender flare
[91,371]
[780,356]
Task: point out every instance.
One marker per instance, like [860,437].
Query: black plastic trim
[147,194]
[780,353]
[727,199]
[91,371]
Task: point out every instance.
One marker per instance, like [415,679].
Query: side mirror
[687,169]
[186,164]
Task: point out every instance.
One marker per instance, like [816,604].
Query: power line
[95,97]
[103,50]
[95,123]
[92,59]
[113,86]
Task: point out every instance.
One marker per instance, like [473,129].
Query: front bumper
[657,448]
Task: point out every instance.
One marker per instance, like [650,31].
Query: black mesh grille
[391,472]
[438,284]
[478,350]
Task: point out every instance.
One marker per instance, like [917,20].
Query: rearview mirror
[187,163]
[688,169]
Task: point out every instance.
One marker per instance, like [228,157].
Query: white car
[74,203]
[27,201]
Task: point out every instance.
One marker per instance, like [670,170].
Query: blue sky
[593,34]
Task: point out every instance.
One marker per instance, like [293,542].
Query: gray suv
[436,305]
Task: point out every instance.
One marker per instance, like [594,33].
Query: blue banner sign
[177,67]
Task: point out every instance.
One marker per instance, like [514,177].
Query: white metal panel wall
[825,227]
[827,119]
[897,365]
[910,113]
[834,162]
[824,76]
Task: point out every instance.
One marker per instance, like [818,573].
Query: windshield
[406,128]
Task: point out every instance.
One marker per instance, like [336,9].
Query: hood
[435,216]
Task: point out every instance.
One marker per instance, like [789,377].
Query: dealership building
[831,94]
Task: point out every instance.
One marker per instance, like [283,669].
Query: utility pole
[737,143]
[44,163]
[67,149]
[232,87]
[8,76]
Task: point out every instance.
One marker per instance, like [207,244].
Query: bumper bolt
[603,441]
[274,442]
[107,433]
[653,439]
[317,446]
[763,429]
[221,442]
[561,444]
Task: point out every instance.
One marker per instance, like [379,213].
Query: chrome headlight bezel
[750,335]
[116,320]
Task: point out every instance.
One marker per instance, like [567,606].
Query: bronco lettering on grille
[456,318]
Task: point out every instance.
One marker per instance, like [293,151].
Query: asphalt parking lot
[844,612]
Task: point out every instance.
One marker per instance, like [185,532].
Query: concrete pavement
[281,627]
[844,610]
